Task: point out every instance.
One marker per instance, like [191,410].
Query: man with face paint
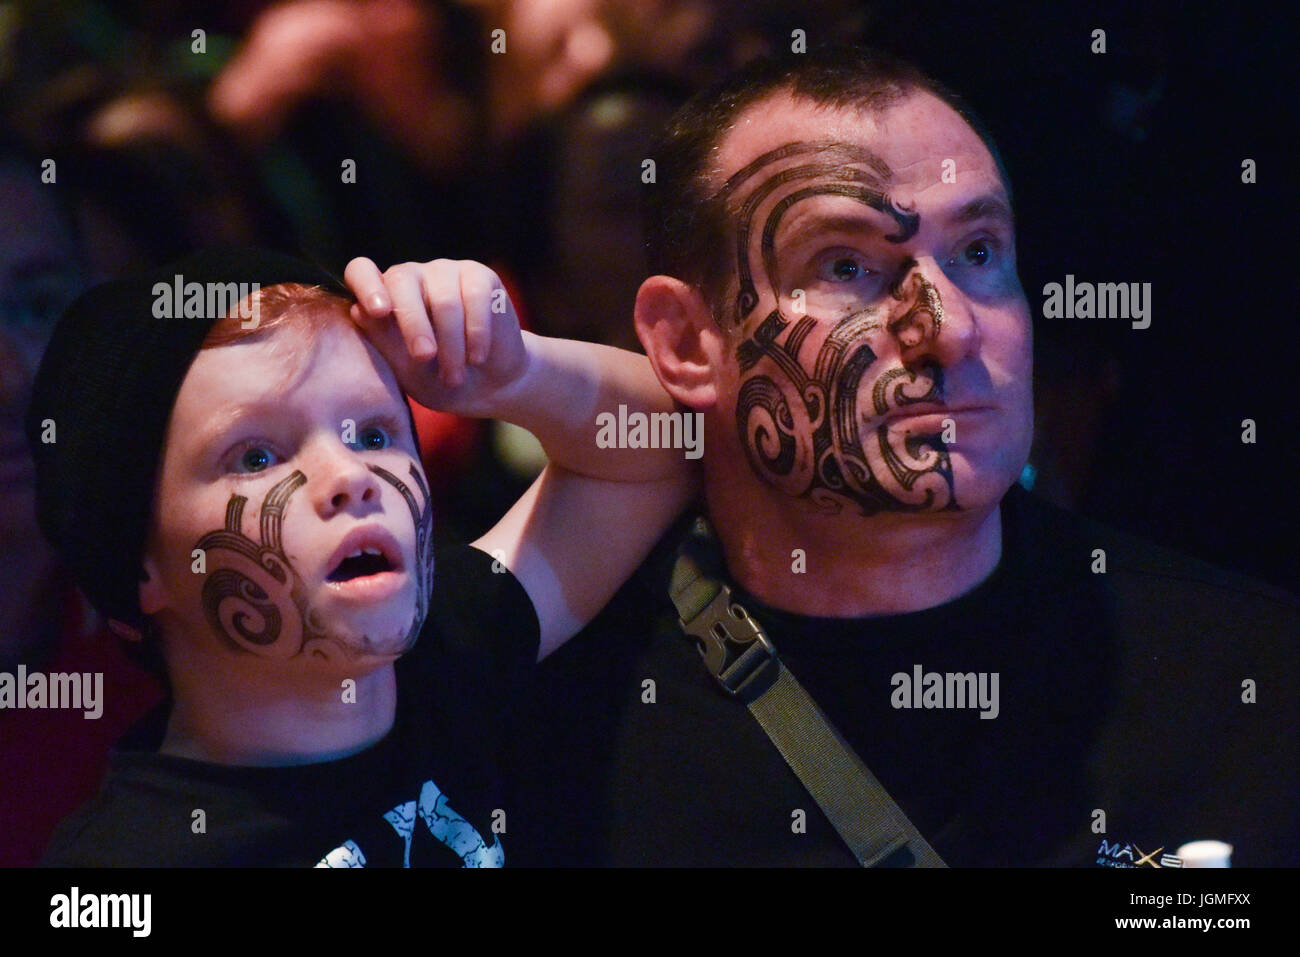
[836,292]
[242,491]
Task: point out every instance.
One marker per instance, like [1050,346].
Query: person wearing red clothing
[54,758]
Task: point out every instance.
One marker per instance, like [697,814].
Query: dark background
[1126,167]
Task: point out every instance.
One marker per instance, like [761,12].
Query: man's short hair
[685,223]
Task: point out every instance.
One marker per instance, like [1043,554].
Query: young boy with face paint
[245,490]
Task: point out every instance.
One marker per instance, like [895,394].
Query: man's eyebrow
[863,222]
[989,206]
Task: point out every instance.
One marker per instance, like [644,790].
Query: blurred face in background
[40,274]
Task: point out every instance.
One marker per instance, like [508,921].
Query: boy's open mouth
[368,561]
[364,554]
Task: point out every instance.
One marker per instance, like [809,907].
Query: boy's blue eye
[255,460]
[372,439]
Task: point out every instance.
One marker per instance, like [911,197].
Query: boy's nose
[345,483]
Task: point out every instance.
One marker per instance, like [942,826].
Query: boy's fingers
[442,295]
[385,336]
[367,284]
[477,286]
[412,319]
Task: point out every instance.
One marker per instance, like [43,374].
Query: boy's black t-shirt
[1139,707]
[427,795]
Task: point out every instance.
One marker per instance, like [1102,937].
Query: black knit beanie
[104,394]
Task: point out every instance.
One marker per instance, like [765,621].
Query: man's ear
[683,342]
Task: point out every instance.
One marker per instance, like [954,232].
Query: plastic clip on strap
[744,661]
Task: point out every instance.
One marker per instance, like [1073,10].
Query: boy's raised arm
[450,333]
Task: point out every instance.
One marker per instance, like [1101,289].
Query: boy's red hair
[446,442]
[281,305]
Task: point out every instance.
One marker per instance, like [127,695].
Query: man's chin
[980,485]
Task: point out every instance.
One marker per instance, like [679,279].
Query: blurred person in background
[50,760]
[592,83]
[242,136]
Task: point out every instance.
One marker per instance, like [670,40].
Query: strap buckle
[734,647]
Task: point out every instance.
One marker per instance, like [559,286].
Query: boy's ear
[153,598]
[681,339]
[124,631]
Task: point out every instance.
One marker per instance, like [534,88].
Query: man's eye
[372,439]
[255,459]
[842,269]
[979,252]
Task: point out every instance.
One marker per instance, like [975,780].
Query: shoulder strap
[742,658]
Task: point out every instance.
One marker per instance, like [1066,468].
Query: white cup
[1205,854]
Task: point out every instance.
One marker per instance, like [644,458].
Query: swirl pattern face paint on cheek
[422,518]
[254,599]
[802,414]
[257,602]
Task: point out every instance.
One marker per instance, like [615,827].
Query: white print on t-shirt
[443,823]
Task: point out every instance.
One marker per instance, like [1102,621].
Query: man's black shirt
[1124,722]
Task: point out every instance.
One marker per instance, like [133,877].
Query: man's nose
[343,483]
[929,318]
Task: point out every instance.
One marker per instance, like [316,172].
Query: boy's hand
[446,327]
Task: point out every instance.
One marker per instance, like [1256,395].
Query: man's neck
[257,718]
[791,557]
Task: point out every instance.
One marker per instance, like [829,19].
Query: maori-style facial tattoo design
[258,603]
[802,416]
